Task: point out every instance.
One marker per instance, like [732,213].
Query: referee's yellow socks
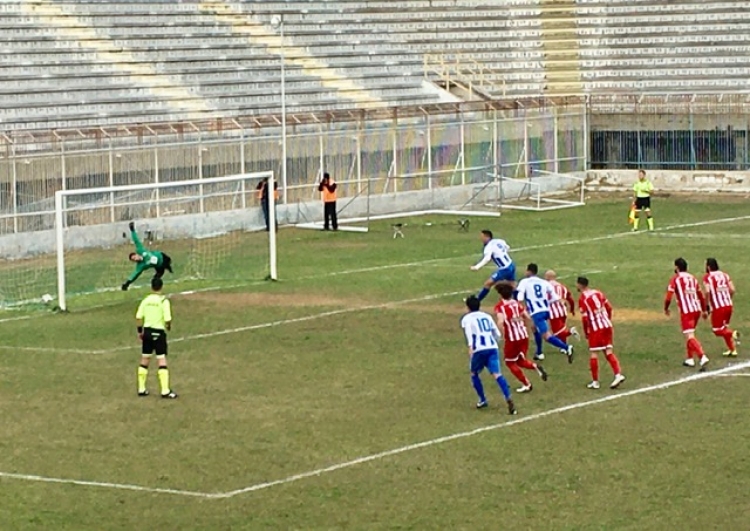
[142,377]
[163,374]
[635,223]
[650,221]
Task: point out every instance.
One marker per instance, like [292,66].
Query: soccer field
[339,397]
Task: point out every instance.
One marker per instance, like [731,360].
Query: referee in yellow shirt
[643,190]
[154,318]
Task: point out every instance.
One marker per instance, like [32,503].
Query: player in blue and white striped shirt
[498,252]
[538,294]
[482,335]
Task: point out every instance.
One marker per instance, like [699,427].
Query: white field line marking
[388,453]
[259,326]
[707,236]
[434,260]
[733,374]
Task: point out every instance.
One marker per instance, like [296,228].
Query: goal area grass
[339,397]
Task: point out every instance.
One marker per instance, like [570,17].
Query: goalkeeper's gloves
[131,226]
[125,285]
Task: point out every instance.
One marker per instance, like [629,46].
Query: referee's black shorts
[643,203]
[154,342]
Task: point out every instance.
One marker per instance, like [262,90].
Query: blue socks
[538,341]
[477,383]
[504,387]
[557,342]
[483,293]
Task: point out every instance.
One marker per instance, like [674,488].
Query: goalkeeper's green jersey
[151,259]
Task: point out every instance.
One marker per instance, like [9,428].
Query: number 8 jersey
[537,293]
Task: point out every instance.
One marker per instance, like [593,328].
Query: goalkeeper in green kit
[145,259]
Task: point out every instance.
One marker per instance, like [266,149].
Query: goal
[542,191]
[209,227]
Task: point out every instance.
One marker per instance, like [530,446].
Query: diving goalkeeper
[145,259]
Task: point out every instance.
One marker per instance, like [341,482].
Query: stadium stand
[88,63]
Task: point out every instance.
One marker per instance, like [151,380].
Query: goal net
[459,192]
[212,229]
[542,191]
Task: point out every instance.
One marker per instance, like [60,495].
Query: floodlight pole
[278,21]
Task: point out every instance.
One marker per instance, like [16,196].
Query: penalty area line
[618,395]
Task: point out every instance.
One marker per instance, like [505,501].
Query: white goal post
[190,209]
[543,191]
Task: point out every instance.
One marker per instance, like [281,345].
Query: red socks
[594,366]
[526,364]
[694,347]
[726,334]
[614,363]
[517,372]
[563,335]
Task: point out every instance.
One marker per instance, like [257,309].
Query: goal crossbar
[60,210]
[541,197]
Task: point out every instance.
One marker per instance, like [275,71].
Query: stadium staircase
[561,56]
[88,63]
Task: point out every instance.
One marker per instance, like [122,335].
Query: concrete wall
[673,181]
[25,245]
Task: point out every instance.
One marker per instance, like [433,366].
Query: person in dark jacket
[262,190]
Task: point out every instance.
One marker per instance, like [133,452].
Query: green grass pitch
[356,352]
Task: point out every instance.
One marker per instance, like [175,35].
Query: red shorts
[600,339]
[512,350]
[720,318]
[689,322]
[557,324]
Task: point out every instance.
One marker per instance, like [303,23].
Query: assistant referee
[642,189]
[154,318]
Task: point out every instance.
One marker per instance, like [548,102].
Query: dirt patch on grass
[244,300]
[635,315]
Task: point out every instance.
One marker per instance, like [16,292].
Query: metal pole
[358,141]
[462,153]
[63,169]
[693,162]
[64,184]
[321,153]
[60,248]
[395,157]
[200,174]
[242,164]
[156,181]
[526,126]
[15,190]
[496,157]
[556,125]
[428,141]
[283,114]
[111,182]
[586,136]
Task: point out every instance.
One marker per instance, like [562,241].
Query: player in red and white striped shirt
[558,311]
[719,290]
[692,304]
[596,316]
[512,319]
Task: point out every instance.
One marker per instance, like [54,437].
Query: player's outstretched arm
[140,267]
[139,248]
[483,262]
